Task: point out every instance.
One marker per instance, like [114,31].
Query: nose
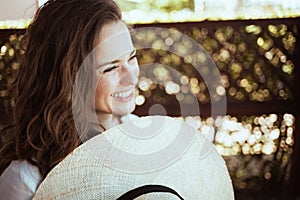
[129,74]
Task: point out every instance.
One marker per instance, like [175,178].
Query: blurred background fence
[258,61]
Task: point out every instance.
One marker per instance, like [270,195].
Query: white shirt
[20,179]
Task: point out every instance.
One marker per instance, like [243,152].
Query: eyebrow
[116,61]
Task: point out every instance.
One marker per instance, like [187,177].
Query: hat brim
[163,151]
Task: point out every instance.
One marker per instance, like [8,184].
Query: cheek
[106,87]
[137,70]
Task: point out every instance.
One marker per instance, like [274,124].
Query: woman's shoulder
[19,180]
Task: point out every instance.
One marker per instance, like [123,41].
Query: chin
[121,111]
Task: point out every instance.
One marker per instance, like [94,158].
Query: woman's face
[117,70]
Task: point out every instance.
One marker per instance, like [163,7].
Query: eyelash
[117,66]
[111,69]
[132,57]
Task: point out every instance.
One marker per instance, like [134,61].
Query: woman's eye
[110,69]
[132,57]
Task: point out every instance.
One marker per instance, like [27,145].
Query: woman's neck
[107,120]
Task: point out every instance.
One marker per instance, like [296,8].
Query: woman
[58,41]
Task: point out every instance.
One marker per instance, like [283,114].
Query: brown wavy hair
[61,35]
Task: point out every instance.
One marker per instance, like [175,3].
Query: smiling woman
[75,88]
[119,76]
[43,131]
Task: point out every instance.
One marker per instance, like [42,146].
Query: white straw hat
[150,150]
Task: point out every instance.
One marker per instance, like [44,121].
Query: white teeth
[122,94]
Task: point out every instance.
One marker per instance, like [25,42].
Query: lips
[124,95]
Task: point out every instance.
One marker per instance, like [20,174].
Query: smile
[123,95]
